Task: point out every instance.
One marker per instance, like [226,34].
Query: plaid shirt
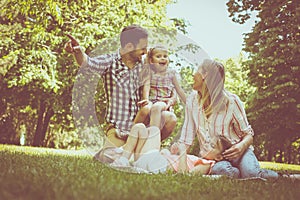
[161,85]
[121,85]
[231,123]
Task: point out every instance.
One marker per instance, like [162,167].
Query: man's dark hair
[132,34]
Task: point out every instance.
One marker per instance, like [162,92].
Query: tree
[37,76]
[236,80]
[274,69]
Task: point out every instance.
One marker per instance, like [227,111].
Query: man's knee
[170,119]
[145,111]
[113,140]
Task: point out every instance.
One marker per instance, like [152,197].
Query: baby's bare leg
[151,142]
[182,166]
[136,139]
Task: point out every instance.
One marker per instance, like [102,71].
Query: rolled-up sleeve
[241,124]
[98,64]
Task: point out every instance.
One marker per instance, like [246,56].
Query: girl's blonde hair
[151,51]
[213,90]
[150,54]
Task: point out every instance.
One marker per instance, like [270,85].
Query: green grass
[38,173]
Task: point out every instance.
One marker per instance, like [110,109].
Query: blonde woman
[217,117]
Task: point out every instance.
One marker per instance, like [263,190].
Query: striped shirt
[231,123]
[161,85]
[121,86]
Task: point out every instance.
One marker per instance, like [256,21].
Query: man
[121,73]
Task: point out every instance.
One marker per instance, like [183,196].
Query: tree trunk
[44,117]
[39,126]
[280,157]
[49,114]
[272,153]
[289,154]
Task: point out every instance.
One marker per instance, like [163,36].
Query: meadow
[40,173]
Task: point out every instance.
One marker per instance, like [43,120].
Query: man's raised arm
[72,46]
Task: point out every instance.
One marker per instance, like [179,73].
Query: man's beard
[135,57]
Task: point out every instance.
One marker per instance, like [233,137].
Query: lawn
[39,173]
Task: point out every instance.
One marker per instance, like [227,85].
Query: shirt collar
[118,55]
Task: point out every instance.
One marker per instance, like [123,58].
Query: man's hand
[71,45]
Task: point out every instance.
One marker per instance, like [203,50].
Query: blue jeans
[246,166]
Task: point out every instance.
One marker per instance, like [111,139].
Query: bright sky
[211,28]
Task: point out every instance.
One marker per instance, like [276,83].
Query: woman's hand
[178,148]
[181,148]
[174,148]
[234,152]
[238,149]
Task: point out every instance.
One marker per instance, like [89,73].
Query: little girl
[159,93]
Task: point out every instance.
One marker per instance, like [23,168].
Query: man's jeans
[245,167]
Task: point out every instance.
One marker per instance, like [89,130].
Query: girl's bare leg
[156,112]
[143,114]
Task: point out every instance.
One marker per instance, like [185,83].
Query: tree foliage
[274,69]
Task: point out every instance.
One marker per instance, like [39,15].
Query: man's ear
[129,47]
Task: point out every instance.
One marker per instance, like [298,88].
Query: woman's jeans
[246,166]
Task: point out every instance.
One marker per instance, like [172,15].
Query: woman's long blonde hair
[212,91]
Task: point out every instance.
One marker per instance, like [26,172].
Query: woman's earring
[204,77]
